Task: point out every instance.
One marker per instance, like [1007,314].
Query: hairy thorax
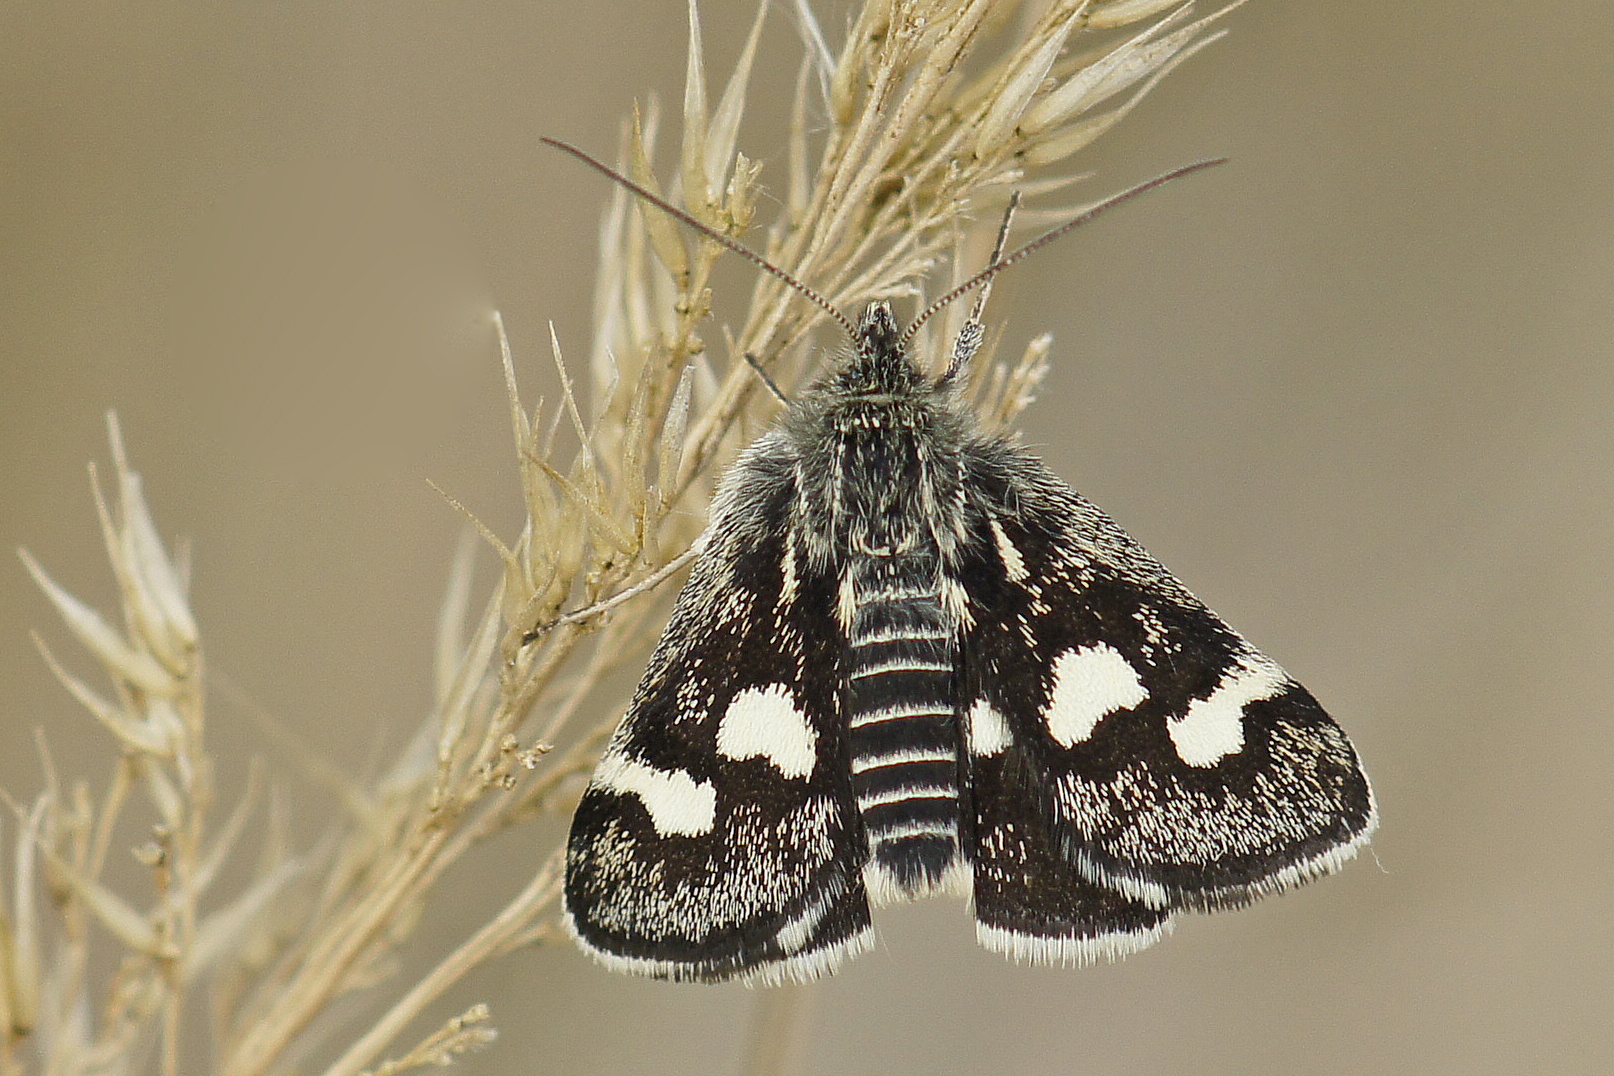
[881,478]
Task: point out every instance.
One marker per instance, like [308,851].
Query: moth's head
[877,332]
[879,360]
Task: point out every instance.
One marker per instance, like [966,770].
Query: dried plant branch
[466,1031]
[929,115]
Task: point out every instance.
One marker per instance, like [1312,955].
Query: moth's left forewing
[718,838]
[1175,763]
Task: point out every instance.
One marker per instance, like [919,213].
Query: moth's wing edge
[1069,952]
[799,968]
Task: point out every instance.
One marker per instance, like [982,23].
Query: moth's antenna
[970,336]
[709,232]
[985,275]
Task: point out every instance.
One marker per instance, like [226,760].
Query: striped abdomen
[903,739]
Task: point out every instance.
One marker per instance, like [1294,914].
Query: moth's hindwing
[1031,902]
[718,838]
[1110,714]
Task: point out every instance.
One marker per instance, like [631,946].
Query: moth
[909,659]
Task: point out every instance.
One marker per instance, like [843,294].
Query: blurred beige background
[1355,388]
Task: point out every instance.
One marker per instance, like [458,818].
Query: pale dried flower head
[903,148]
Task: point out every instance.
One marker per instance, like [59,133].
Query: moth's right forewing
[1172,762]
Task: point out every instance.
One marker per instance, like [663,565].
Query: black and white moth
[909,659]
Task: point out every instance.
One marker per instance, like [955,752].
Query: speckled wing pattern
[717,838]
[1122,734]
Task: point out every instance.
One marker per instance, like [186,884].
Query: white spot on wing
[988,732]
[1014,565]
[1213,727]
[1090,683]
[765,722]
[677,803]
[787,572]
